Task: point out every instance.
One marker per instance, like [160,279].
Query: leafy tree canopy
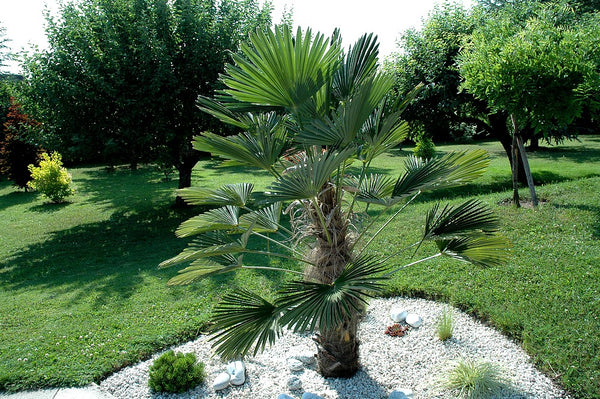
[121,78]
[538,62]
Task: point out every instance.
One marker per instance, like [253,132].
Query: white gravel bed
[414,361]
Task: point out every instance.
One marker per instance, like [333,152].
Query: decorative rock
[221,382]
[401,394]
[237,371]
[306,359]
[398,314]
[295,364]
[284,396]
[414,320]
[308,395]
[294,383]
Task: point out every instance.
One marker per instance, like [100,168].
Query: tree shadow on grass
[578,154]
[107,260]
[16,198]
[107,257]
[125,189]
[50,207]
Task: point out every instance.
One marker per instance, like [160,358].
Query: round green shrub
[50,178]
[424,147]
[176,372]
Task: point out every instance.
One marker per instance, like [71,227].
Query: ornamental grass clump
[314,117]
[474,379]
[176,372]
[50,178]
[445,325]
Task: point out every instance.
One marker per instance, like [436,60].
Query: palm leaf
[479,250]
[225,218]
[471,217]
[261,146]
[306,180]
[244,323]
[310,305]
[374,189]
[342,127]
[382,134]
[203,268]
[210,245]
[230,194]
[451,170]
[360,62]
[277,69]
[265,220]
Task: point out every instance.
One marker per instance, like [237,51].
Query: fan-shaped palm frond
[278,69]
[203,268]
[209,245]
[224,218]
[244,323]
[306,180]
[360,62]
[260,146]
[479,250]
[470,217]
[264,220]
[310,305]
[342,127]
[236,194]
[450,170]
[374,189]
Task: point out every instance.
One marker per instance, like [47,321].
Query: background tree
[16,148]
[539,64]
[430,56]
[120,79]
[316,110]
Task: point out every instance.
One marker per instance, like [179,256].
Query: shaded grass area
[81,296]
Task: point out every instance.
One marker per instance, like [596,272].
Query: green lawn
[81,296]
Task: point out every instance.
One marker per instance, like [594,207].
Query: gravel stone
[414,361]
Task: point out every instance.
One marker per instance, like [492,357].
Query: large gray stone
[295,364]
[237,371]
[308,395]
[294,384]
[221,381]
[401,394]
[398,314]
[414,320]
[284,396]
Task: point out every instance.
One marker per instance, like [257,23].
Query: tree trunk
[498,125]
[514,162]
[337,349]
[185,167]
[337,346]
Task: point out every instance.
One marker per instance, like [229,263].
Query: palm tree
[309,111]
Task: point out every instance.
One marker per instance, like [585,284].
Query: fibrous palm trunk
[337,346]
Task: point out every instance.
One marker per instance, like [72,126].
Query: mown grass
[81,296]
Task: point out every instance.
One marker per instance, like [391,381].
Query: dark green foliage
[175,372]
[120,80]
[16,150]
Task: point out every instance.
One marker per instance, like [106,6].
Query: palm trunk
[337,347]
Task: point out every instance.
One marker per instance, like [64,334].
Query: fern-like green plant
[175,372]
[473,379]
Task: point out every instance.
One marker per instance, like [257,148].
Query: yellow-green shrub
[50,178]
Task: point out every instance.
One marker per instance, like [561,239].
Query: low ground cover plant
[176,372]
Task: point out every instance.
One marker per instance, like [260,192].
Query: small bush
[51,179]
[471,379]
[424,147]
[175,372]
[445,325]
